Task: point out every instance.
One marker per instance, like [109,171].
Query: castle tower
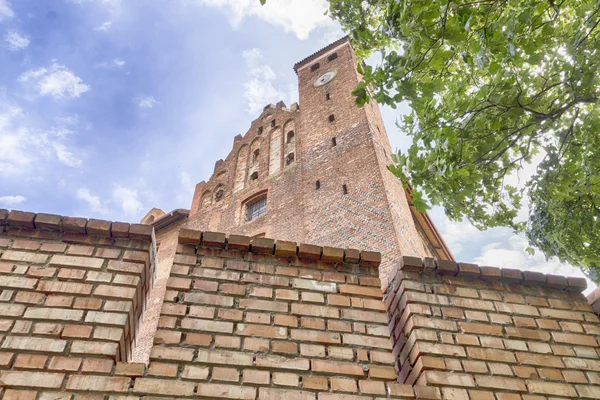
[316,173]
[346,150]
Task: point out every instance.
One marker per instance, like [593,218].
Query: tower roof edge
[321,51]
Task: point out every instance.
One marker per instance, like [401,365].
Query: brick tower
[314,173]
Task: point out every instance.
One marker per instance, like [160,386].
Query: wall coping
[281,248]
[486,273]
[78,225]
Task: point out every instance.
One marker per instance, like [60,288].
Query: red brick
[98,227]
[20,219]
[189,236]
[167,387]
[31,379]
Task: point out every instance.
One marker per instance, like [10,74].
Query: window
[327,96]
[331,118]
[314,67]
[254,176]
[333,142]
[332,57]
[318,185]
[345,188]
[272,122]
[256,208]
[289,159]
[219,194]
[290,136]
[260,130]
[255,155]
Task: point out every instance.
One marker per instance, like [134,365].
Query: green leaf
[491,88]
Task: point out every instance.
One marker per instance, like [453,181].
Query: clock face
[325,78]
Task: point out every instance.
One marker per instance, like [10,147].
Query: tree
[493,86]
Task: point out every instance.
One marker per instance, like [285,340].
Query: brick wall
[71,295]
[260,319]
[492,333]
[166,245]
[269,323]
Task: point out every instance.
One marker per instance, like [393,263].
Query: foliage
[493,86]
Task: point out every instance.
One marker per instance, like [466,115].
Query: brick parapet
[72,290]
[485,332]
[261,319]
[257,319]
[51,226]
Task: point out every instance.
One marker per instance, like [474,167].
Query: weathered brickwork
[490,333]
[71,286]
[219,204]
[322,169]
[260,319]
[166,246]
[267,323]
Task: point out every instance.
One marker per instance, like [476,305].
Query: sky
[109,108]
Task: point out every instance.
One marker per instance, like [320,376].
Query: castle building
[300,272]
[313,173]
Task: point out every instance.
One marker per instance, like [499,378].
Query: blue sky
[111,107]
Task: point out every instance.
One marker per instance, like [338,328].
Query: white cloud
[65,156]
[9,201]
[14,140]
[22,147]
[6,11]
[259,89]
[93,202]
[146,101]
[128,200]
[72,119]
[512,254]
[56,81]
[299,17]
[104,27]
[16,41]
[110,4]
[114,64]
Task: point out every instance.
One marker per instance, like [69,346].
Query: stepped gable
[206,197]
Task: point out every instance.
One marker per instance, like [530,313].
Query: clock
[325,78]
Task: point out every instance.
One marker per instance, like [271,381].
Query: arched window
[275,151]
[254,176]
[289,159]
[290,136]
[255,155]
[206,199]
[240,170]
[219,193]
[255,207]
